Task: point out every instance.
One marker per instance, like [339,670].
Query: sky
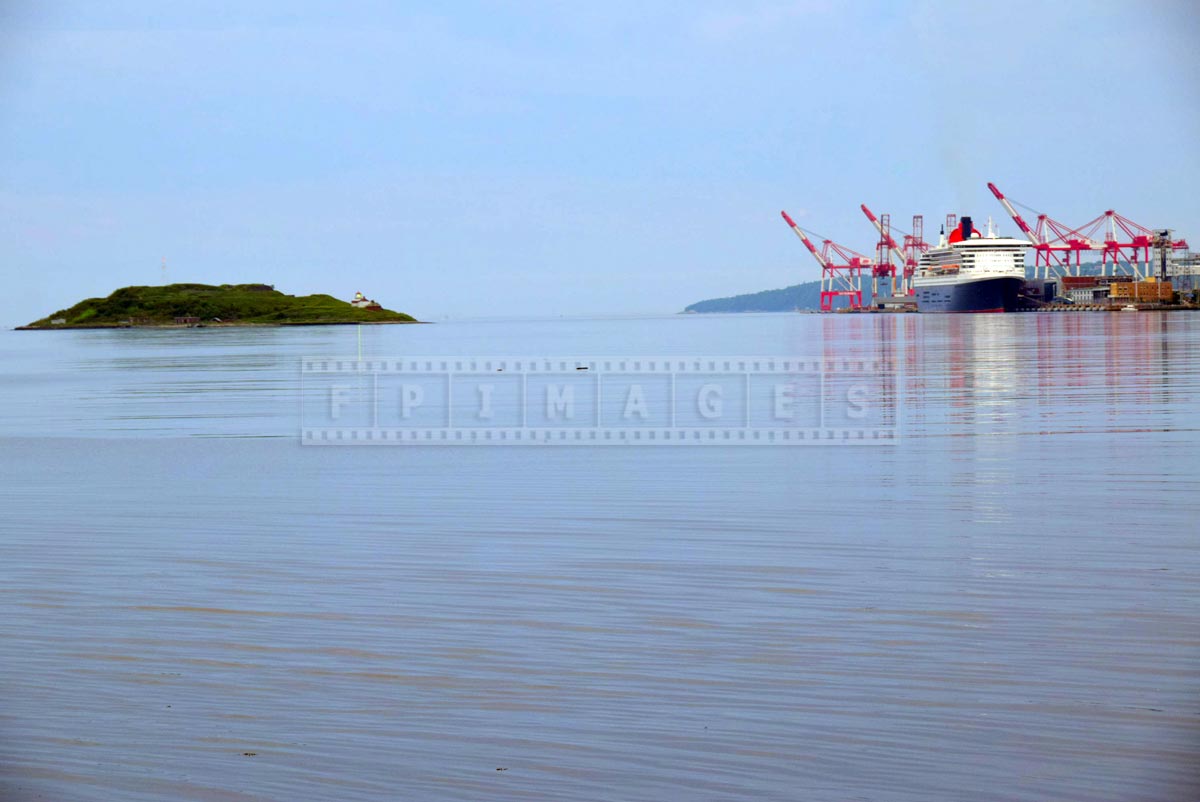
[482,159]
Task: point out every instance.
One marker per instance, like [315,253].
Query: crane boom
[1014,214]
[821,260]
[891,243]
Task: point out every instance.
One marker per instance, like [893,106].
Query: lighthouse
[362,302]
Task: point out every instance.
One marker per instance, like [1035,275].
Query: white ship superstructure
[970,272]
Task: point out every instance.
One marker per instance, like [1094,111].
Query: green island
[194,305]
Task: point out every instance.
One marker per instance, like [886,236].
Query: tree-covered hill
[787,299]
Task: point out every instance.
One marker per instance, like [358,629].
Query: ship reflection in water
[1004,605]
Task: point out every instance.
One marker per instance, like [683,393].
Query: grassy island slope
[227,305]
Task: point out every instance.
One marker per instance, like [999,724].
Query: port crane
[1047,250]
[1120,241]
[1016,216]
[837,280]
[914,247]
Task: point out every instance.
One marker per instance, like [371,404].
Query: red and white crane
[1015,215]
[1052,241]
[837,280]
[887,246]
[913,246]
[1123,240]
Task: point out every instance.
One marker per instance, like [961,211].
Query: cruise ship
[970,272]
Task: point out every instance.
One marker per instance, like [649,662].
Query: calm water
[1004,606]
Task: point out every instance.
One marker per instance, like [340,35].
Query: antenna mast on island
[164,270]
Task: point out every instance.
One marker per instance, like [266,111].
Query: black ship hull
[980,295]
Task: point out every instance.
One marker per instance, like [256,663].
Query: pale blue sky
[519,158]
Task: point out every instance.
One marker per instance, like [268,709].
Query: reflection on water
[1002,607]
